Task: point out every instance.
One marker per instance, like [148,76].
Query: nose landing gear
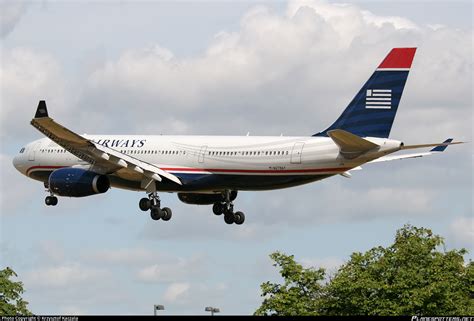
[51,200]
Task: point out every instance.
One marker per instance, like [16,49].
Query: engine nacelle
[77,182]
[204,199]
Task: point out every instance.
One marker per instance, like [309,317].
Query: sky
[229,68]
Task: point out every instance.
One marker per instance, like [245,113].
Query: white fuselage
[211,163]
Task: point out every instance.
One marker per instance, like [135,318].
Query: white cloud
[127,256]
[181,295]
[461,231]
[173,270]
[328,263]
[176,291]
[71,310]
[339,200]
[51,251]
[63,276]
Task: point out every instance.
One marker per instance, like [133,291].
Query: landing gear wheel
[144,204]
[51,200]
[229,218]
[166,214]
[218,208]
[239,218]
[228,210]
[155,214]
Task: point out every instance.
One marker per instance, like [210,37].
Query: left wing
[104,159]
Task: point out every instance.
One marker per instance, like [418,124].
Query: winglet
[441,148]
[41,111]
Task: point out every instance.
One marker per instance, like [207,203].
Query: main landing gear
[152,204]
[226,207]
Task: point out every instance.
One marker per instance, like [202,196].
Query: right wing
[104,159]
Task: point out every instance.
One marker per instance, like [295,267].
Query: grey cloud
[461,232]
[292,73]
[10,14]
[27,77]
[192,222]
[10,197]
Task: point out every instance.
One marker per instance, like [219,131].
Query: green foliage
[413,276]
[11,302]
[300,293]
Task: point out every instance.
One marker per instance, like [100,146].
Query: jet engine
[77,182]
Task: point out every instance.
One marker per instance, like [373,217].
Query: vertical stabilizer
[373,109]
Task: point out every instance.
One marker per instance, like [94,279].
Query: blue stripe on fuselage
[194,182]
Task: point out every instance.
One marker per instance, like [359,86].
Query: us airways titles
[121,143]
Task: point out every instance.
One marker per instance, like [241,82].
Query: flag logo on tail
[378,99]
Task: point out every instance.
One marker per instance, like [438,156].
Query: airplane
[210,170]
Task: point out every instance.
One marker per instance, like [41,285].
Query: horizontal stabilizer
[350,145]
[441,148]
[397,157]
[438,147]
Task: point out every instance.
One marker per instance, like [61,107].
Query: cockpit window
[22,150]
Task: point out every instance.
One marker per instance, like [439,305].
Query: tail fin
[373,109]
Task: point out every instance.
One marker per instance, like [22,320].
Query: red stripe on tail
[398,58]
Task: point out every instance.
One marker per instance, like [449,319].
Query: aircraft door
[202,152]
[32,152]
[31,155]
[296,153]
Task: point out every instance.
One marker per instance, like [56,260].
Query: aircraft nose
[18,164]
[15,162]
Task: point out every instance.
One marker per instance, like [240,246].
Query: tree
[11,302]
[413,276]
[300,293]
